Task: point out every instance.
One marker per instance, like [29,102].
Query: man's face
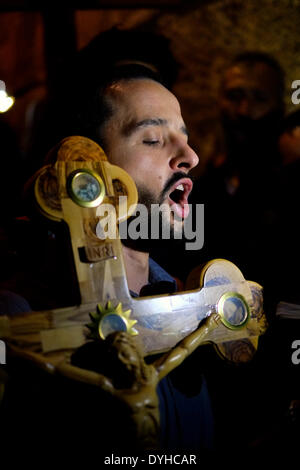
[249,91]
[146,136]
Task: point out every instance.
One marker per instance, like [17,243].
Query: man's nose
[185,157]
[244,108]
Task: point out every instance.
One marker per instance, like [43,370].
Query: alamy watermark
[296,354]
[2,352]
[158,222]
[296,94]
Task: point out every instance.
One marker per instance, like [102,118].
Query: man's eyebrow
[134,126]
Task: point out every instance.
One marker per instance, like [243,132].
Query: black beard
[247,131]
[252,142]
[147,198]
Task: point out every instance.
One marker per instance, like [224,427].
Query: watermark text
[158,222]
[296,353]
[2,352]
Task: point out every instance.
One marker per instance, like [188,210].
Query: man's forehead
[258,75]
[142,91]
[143,103]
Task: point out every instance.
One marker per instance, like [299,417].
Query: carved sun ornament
[108,319]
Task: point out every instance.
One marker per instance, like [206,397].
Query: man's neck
[137,268]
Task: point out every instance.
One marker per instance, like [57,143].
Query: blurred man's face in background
[249,91]
[249,98]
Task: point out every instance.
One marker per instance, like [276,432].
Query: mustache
[174,178]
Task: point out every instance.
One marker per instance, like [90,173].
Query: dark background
[204,35]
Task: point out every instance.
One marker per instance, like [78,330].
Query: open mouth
[178,197]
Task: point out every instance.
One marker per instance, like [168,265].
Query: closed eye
[150,142]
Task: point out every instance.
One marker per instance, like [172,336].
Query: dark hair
[82,104]
[252,58]
[111,56]
[93,109]
[76,103]
[117,46]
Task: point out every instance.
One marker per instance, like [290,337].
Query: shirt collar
[158,274]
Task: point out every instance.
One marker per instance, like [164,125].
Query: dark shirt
[12,304]
[185,408]
[160,282]
[158,274]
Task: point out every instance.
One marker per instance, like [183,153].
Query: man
[252,107]
[251,98]
[234,187]
[147,137]
[236,190]
[138,123]
[252,88]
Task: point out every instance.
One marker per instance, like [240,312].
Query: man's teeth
[177,195]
